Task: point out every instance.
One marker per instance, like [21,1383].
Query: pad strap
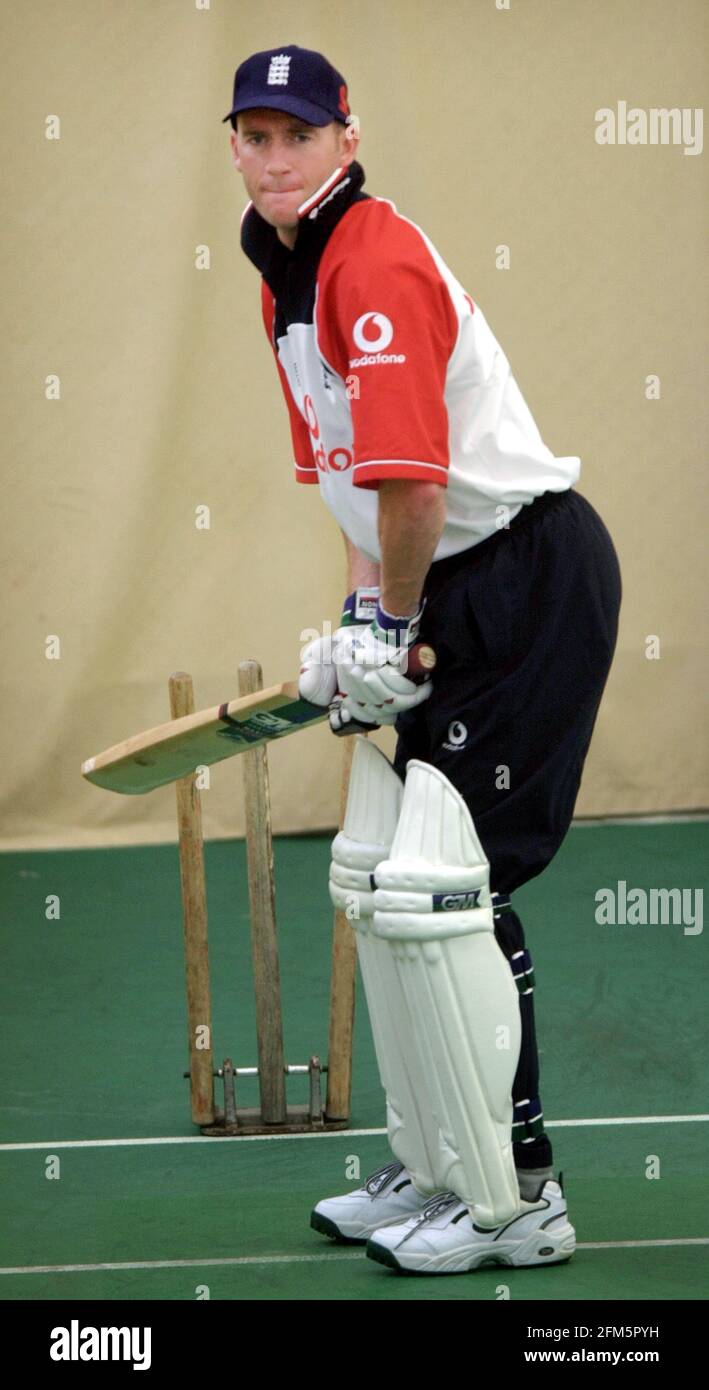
[501,902]
[527,1120]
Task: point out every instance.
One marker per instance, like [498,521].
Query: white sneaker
[388,1197]
[443,1238]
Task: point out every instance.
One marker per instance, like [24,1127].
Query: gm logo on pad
[456,902]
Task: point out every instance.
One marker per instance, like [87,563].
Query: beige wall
[479,124]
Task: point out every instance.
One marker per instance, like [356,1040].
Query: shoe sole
[559,1255]
[326,1227]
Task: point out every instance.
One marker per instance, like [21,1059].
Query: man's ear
[351,140]
[235,150]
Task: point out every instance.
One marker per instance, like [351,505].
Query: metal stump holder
[300,1119]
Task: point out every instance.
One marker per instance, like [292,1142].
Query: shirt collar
[318,215]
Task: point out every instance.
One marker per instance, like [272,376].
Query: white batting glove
[346,717]
[371,668]
[317,679]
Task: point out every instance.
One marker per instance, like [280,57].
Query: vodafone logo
[333,461]
[373,332]
[457,736]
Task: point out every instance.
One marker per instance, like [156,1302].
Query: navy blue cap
[297,80]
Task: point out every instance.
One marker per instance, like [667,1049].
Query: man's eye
[259,138]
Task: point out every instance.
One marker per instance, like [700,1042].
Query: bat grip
[421,663]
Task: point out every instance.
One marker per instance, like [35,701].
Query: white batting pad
[433,911]
[372,812]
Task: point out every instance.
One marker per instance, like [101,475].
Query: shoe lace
[437,1204]
[381,1176]
[440,1202]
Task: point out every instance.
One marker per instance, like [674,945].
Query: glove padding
[365,719]
[359,672]
[317,680]
[369,674]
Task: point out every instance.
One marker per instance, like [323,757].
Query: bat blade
[175,749]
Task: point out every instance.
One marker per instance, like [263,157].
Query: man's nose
[278,158]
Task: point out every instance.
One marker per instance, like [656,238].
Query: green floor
[95,1049]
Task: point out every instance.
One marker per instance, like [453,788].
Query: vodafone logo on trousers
[372,333]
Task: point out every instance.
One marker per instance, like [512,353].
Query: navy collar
[319,215]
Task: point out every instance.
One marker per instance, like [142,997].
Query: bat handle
[420,663]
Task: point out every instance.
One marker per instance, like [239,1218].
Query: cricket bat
[173,750]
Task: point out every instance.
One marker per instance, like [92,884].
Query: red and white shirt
[389,370]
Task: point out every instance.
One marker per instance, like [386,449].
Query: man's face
[283,160]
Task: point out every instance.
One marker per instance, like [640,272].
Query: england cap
[297,80]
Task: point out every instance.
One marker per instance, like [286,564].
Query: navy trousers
[524,626]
